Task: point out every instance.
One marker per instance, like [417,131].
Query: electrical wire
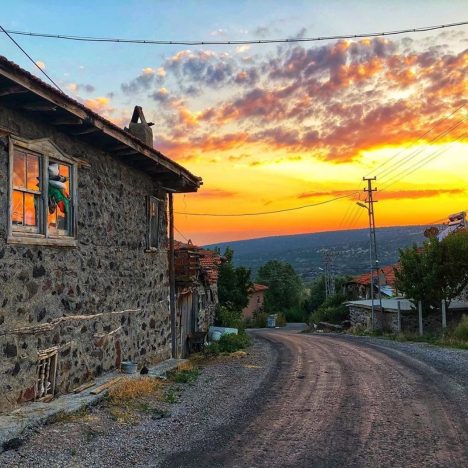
[260,213]
[237,42]
[399,164]
[31,59]
[419,164]
[411,143]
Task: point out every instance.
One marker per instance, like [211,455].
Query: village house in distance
[84,277]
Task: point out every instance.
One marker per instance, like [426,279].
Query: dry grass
[133,389]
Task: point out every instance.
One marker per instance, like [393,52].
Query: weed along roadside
[142,400]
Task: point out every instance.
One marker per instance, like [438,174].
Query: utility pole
[374,261]
[329,274]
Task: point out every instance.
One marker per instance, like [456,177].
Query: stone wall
[113,294]
[388,320]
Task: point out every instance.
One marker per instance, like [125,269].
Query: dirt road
[339,401]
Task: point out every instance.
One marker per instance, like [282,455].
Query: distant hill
[305,251]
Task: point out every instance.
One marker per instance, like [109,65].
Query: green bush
[294,315]
[230,343]
[461,331]
[260,319]
[280,320]
[226,317]
[332,314]
[212,349]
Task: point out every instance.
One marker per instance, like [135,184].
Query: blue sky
[266,126]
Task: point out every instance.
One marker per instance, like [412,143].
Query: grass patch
[130,398]
[131,389]
[171,395]
[186,372]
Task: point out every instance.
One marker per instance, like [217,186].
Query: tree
[234,283]
[437,271]
[285,288]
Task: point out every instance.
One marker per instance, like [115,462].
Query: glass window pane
[19,169]
[17,208]
[59,200]
[32,172]
[31,208]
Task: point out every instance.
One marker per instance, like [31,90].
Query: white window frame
[47,151]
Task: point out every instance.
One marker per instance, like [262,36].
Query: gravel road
[339,401]
[298,400]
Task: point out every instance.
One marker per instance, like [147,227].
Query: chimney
[140,128]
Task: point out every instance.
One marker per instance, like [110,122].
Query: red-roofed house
[256,300]
[359,286]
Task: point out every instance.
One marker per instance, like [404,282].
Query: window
[153,223]
[43,203]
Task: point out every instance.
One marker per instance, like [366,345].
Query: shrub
[280,320]
[260,319]
[226,317]
[461,331]
[230,343]
[332,314]
[212,349]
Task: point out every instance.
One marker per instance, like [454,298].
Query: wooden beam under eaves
[124,152]
[70,120]
[12,90]
[85,131]
[39,107]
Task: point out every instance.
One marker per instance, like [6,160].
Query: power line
[31,59]
[411,143]
[403,162]
[419,164]
[183,237]
[259,213]
[237,42]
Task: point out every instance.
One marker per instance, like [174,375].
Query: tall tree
[436,271]
[234,283]
[285,288]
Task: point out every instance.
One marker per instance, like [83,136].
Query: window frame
[47,152]
[158,202]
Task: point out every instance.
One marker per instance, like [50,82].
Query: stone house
[84,269]
[359,287]
[256,300]
[196,275]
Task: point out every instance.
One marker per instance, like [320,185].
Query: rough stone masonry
[101,302]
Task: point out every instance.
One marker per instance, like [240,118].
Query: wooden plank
[105,386]
[84,386]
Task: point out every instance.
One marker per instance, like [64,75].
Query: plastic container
[128,367]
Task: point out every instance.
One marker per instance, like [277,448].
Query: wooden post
[399,317]
[420,318]
[172,277]
[444,314]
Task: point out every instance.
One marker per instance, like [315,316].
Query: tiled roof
[259,287]
[207,261]
[388,272]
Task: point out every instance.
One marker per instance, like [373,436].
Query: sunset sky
[271,127]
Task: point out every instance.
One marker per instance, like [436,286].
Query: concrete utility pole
[374,261]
